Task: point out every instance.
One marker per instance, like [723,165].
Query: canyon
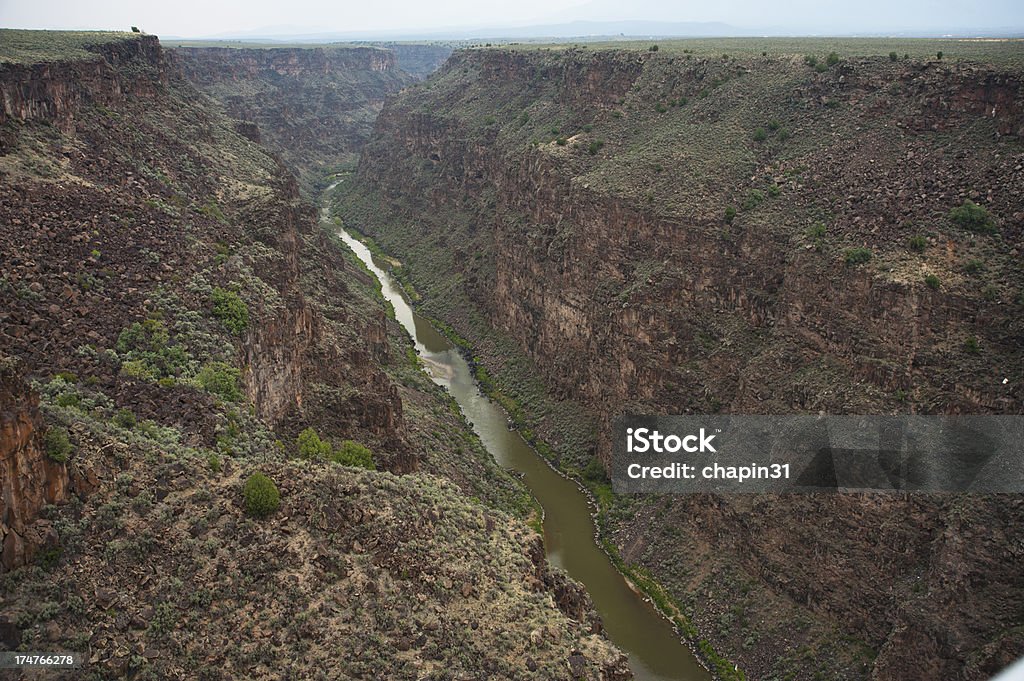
[173,318]
[617,230]
[746,226]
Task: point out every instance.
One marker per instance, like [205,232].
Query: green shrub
[312,447]
[652,48]
[971,345]
[261,496]
[730,214]
[214,462]
[353,454]
[146,351]
[760,135]
[917,243]
[57,444]
[212,210]
[990,293]
[231,310]
[932,282]
[220,379]
[857,256]
[973,266]
[774,191]
[753,199]
[893,56]
[939,55]
[150,335]
[595,472]
[811,60]
[350,453]
[561,141]
[972,217]
[125,418]
[68,400]
[832,59]
[136,368]
[595,147]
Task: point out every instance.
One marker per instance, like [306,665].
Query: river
[655,651]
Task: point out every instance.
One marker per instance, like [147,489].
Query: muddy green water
[655,652]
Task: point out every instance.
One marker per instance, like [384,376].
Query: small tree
[230,309]
[893,56]
[57,444]
[261,496]
[125,418]
[312,447]
[220,379]
[939,55]
[354,454]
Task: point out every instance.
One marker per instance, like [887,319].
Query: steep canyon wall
[681,232]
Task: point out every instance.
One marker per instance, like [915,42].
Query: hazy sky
[195,18]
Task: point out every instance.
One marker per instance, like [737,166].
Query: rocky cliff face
[314,106]
[52,91]
[181,313]
[28,477]
[691,225]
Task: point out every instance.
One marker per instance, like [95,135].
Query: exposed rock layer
[28,478]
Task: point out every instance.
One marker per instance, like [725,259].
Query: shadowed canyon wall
[313,106]
[678,232]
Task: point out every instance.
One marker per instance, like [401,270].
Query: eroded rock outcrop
[53,91]
[29,479]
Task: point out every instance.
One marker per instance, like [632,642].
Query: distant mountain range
[635,28]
